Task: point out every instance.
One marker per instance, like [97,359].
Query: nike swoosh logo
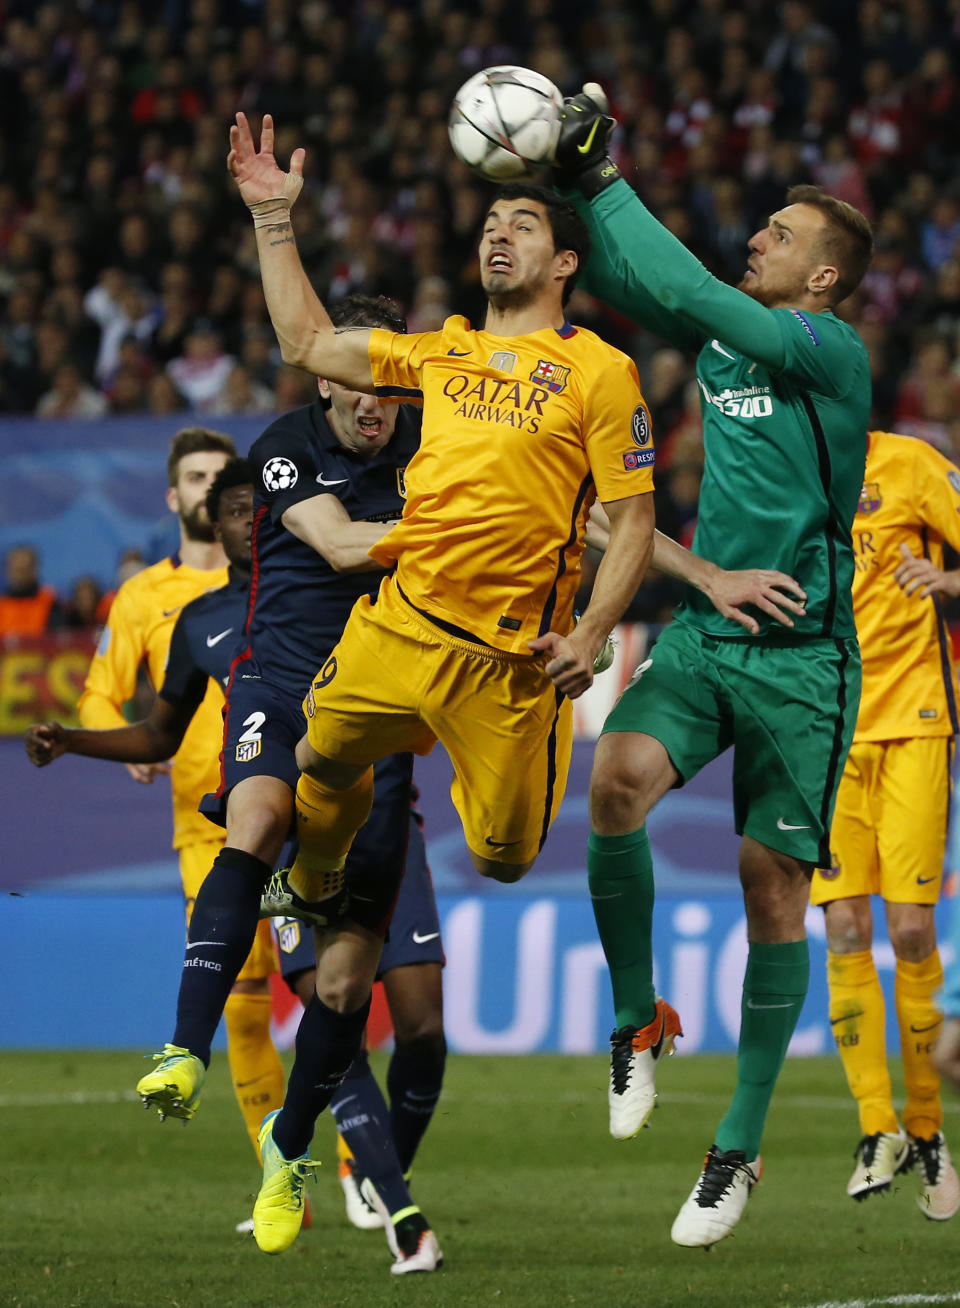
[585,148]
[215,640]
[501,844]
[197,943]
[168,613]
[720,350]
[323,481]
[335,1108]
[787,826]
[932,1027]
[242,1085]
[459,354]
[847,1017]
[657,1045]
[763,1007]
[925,881]
[422,940]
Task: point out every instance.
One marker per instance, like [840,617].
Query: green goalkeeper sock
[621,889]
[774,988]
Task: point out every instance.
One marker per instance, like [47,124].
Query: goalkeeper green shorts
[788,708]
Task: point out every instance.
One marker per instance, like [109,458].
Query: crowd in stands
[128,270]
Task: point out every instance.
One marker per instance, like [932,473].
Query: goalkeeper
[785,389]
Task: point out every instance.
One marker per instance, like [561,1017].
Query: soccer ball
[279,474]
[504,122]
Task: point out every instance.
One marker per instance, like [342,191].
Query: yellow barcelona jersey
[911,496]
[139,627]
[520,436]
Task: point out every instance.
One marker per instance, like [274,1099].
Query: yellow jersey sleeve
[939,500]
[396,363]
[617,432]
[112,676]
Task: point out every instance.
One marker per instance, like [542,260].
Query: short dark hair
[235,472]
[847,238]
[196,440]
[570,232]
[367,311]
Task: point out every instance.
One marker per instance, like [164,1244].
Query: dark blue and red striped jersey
[299,603]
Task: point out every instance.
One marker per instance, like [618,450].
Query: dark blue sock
[222,929]
[327,1043]
[414,1080]
[363,1119]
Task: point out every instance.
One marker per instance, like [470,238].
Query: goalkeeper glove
[581,160]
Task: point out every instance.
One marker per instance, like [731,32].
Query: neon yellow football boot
[174,1085]
[278,1211]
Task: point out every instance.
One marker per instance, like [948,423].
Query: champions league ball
[504,122]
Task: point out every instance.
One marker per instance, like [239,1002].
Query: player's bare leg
[775,894]
[631,772]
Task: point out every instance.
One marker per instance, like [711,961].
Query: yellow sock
[327,821]
[857,1018]
[919,1019]
[344,1152]
[254,1062]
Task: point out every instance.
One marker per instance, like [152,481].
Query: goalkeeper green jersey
[786,404]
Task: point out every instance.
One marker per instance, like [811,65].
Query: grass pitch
[533,1203]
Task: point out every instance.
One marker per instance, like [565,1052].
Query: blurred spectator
[26,606]
[86,609]
[941,234]
[200,373]
[70,396]
[241,394]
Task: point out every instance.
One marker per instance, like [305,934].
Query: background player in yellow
[525,424]
[140,624]
[890,822]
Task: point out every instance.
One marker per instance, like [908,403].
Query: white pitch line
[63,1099]
[890,1301]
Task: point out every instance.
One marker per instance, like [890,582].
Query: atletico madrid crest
[870,497]
[550,375]
[247,751]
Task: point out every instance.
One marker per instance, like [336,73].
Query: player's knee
[338,776]
[849,926]
[913,940]
[505,872]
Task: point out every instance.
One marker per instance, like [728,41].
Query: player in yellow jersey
[525,424]
[890,823]
[138,631]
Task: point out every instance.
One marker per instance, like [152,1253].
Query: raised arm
[636,265]
[307,337]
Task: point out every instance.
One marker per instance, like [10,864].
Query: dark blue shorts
[262,726]
[414,934]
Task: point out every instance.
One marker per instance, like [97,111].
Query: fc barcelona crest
[550,375]
[870,497]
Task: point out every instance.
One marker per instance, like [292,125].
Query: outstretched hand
[764,589]
[256,171]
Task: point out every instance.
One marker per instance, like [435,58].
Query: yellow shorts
[890,823]
[196,861]
[397,683]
